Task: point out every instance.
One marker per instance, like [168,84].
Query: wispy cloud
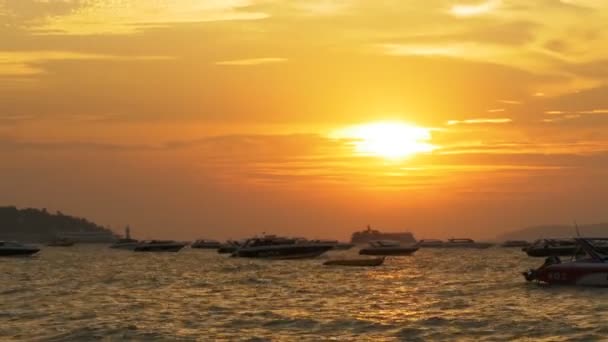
[480,121]
[23,63]
[469,10]
[594,111]
[253,61]
[511,102]
[129,16]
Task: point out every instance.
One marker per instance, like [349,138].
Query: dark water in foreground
[92,292]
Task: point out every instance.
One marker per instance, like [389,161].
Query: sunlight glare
[390,140]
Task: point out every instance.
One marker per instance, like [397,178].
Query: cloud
[480,121]
[130,16]
[252,61]
[468,10]
[26,63]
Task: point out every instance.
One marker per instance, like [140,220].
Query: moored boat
[274,247]
[369,234]
[206,244]
[454,243]
[159,246]
[587,268]
[355,262]
[385,247]
[430,243]
[337,245]
[551,247]
[11,248]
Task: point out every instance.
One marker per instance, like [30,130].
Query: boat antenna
[578,233]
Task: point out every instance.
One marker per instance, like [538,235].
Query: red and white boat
[589,267]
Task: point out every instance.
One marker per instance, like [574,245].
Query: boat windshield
[592,249]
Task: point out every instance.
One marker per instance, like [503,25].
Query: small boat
[342,246]
[387,247]
[430,243]
[515,243]
[159,246]
[63,242]
[587,268]
[274,247]
[551,247]
[206,244]
[11,248]
[355,262]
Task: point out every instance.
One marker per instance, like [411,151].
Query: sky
[227,118]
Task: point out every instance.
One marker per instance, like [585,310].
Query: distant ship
[368,235]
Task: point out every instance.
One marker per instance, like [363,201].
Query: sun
[389,140]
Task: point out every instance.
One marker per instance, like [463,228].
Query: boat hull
[282,252]
[158,248]
[18,252]
[227,249]
[389,251]
[580,274]
[476,245]
[205,246]
[124,246]
[553,251]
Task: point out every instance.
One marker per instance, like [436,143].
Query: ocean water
[96,293]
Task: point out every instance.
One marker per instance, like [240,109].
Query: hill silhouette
[38,225]
[557,231]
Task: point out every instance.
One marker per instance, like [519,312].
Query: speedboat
[61,243]
[551,247]
[274,247]
[387,247]
[159,246]
[587,268]
[355,262]
[206,244]
[515,243]
[466,243]
[10,248]
[454,243]
[342,246]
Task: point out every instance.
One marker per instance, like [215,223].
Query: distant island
[38,225]
[557,231]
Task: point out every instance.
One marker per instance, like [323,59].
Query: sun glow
[390,140]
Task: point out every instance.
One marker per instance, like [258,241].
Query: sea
[92,293]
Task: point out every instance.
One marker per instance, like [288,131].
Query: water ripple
[92,292]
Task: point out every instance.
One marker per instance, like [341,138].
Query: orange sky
[218,118]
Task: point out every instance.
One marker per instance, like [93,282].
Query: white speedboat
[387,247]
[159,246]
[589,266]
[274,247]
[10,248]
